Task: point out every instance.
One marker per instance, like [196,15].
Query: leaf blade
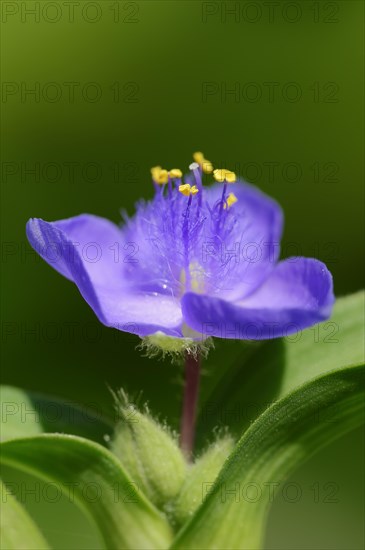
[25,413]
[280,439]
[126,519]
[272,369]
[18,530]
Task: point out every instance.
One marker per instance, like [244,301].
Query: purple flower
[193,262]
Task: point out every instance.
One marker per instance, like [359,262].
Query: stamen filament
[188,191]
[185,237]
[223,176]
[159,178]
[223,199]
[198,180]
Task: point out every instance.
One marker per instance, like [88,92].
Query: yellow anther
[219,175]
[230,177]
[185,189]
[159,175]
[222,175]
[175,173]
[198,157]
[231,199]
[207,166]
[188,190]
[155,171]
[163,177]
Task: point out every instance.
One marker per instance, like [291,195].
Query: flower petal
[99,278]
[255,243]
[95,239]
[296,295]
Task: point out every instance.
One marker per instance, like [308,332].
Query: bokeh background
[93,95]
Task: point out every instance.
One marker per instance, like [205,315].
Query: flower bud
[149,454]
[200,478]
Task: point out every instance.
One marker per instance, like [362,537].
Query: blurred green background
[94,95]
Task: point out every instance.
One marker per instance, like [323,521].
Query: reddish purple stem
[191,393]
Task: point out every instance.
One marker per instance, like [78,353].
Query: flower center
[189,228]
[195,280]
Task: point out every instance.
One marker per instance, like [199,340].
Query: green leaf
[97,481]
[265,372]
[288,397]
[287,433]
[18,530]
[25,413]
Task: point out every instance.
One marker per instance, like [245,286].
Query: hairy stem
[191,393]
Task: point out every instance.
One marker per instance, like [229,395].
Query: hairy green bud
[201,476]
[150,454]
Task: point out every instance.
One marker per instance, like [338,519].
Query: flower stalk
[190,402]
